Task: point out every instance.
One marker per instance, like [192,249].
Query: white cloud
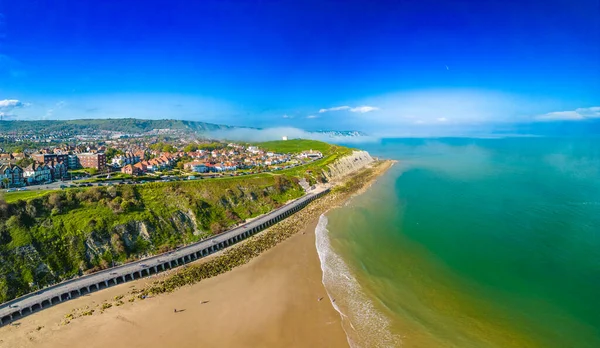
[312,116]
[8,105]
[287,116]
[363,109]
[360,109]
[11,103]
[440,111]
[573,115]
[337,108]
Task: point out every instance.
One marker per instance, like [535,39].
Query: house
[141,167]
[229,166]
[92,160]
[59,170]
[253,149]
[6,158]
[131,170]
[11,176]
[49,157]
[218,168]
[311,154]
[17,156]
[37,173]
[196,166]
[122,160]
[73,162]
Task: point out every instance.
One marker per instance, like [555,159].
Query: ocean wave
[363,324]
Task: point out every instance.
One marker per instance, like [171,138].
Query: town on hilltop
[150,158]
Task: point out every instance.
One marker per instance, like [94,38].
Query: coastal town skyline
[277,64]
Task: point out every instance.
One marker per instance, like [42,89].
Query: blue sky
[397,67]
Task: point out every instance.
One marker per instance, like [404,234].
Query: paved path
[63,291]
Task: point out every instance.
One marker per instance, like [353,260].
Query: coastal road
[24,305]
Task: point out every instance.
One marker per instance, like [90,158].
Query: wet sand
[270,302]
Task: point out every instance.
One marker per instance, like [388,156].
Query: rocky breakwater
[348,164]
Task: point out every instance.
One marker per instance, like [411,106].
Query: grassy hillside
[300,145]
[49,238]
[313,172]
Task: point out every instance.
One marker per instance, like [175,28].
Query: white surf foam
[363,324]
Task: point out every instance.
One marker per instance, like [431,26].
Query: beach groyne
[22,306]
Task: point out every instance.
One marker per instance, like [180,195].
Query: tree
[111,153]
[190,148]
[168,148]
[24,162]
[18,149]
[3,289]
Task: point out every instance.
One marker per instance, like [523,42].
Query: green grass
[330,154]
[113,177]
[300,145]
[10,197]
[82,229]
[83,171]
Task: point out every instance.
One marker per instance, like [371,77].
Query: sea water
[470,243]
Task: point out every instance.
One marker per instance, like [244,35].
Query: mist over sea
[471,243]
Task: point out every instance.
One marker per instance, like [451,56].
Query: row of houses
[123,160]
[207,167]
[40,172]
[164,162]
[12,175]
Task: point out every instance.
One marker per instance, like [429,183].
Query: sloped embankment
[67,233]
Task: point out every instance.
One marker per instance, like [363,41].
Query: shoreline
[271,301]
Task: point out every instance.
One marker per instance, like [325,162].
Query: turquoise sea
[471,243]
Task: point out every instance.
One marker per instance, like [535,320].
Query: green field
[299,145]
[10,197]
[312,170]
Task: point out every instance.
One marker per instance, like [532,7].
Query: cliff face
[349,164]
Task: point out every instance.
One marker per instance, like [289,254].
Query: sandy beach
[275,300]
